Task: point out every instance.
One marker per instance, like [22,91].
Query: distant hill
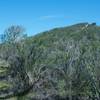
[62,63]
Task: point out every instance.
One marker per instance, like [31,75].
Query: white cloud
[51,17]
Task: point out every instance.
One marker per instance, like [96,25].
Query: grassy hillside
[60,63]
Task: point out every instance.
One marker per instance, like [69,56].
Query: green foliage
[62,61]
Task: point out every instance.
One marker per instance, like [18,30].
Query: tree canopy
[63,63]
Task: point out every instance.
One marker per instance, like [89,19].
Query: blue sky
[41,15]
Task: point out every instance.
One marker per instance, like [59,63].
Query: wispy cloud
[47,17]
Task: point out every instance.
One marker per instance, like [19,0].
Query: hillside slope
[62,63]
